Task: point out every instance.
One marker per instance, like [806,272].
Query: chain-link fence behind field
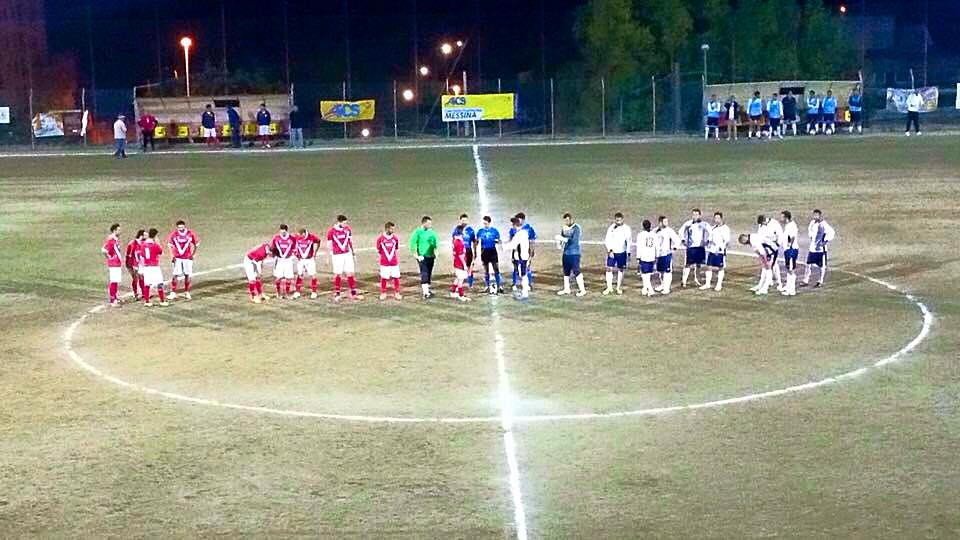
[655,105]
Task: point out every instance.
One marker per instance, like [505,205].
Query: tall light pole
[186,42]
[705,48]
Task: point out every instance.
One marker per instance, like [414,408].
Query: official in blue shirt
[488,238]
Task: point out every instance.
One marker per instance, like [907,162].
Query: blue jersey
[755,107]
[830,105]
[713,109]
[774,109]
[813,105]
[572,240]
[488,237]
[469,236]
[263,117]
[208,120]
[856,103]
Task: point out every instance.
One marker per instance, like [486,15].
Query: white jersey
[647,246]
[520,244]
[757,242]
[668,241]
[791,234]
[719,239]
[772,233]
[618,238]
[820,233]
[694,233]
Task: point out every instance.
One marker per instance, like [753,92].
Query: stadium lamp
[446,48]
[424,71]
[456,89]
[459,43]
[843,9]
[186,42]
[408,95]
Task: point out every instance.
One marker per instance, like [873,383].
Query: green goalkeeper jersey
[423,242]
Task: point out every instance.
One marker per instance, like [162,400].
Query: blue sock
[498,279]
[515,276]
[470,280]
[530,277]
[486,279]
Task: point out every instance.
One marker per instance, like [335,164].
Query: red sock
[383,286]
[143,285]
[336,284]
[186,283]
[299,283]
[313,285]
[453,287]
[259,287]
[135,285]
[352,282]
[460,290]
[173,284]
[113,291]
[146,292]
[161,293]
[252,288]
[396,284]
[276,283]
[288,285]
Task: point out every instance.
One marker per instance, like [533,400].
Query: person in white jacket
[914,104]
[120,138]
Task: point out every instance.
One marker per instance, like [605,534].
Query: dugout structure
[178,118]
[744,91]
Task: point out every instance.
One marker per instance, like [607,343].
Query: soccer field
[701,414]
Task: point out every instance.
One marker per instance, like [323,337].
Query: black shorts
[489,256]
[469,256]
[713,121]
[855,116]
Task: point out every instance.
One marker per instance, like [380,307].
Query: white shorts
[208,133]
[388,272]
[343,263]
[182,267]
[152,276]
[307,267]
[252,268]
[115,273]
[283,268]
[460,274]
[263,130]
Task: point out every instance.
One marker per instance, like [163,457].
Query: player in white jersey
[772,233]
[646,256]
[617,242]
[717,242]
[520,244]
[791,249]
[757,242]
[693,235]
[821,234]
[667,242]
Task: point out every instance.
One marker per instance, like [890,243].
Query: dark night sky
[124,34]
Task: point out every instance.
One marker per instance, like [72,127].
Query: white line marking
[927,315]
[505,393]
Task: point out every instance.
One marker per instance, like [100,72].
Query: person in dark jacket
[263,126]
[233,118]
[732,111]
[296,128]
[208,120]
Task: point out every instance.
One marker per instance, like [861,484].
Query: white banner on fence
[958,93]
[897,98]
[5,114]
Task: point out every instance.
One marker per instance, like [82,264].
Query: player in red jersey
[305,249]
[113,258]
[340,239]
[282,245]
[388,245]
[253,268]
[131,260]
[183,244]
[150,252]
[459,265]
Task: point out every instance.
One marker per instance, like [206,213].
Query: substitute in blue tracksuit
[855,106]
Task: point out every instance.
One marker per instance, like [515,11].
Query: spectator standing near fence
[296,128]
[732,109]
[914,104]
[263,126]
[233,118]
[120,137]
[147,124]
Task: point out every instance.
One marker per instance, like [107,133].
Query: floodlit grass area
[869,457]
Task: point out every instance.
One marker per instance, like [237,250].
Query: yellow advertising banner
[478,107]
[348,111]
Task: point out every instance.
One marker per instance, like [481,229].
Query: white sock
[667,280]
[619,279]
[706,133]
[776,273]
[425,288]
[709,277]
[566,283]
[686,274]
[525,282]
[806,275]
[580,282]
[609,280]
[647,287]
[719,278]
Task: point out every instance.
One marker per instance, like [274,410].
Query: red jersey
[341,239]
[132,256]
[182,245]
[259,253]
[283,246]
[150,252]
[306,245]
[459,251]
[112,246]
[387,247]
[147,122]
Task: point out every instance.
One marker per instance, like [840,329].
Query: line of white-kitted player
[705,244]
